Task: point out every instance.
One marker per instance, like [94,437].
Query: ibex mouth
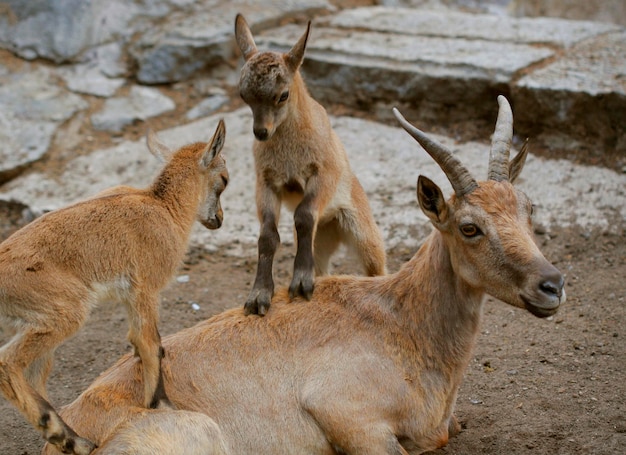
[215,223]
[540,311]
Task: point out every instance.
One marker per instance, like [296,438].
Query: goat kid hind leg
[144,336]
[363,234]
[24,387]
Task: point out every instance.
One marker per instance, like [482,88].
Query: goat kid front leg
[305,220]
[260,297]
[144,336]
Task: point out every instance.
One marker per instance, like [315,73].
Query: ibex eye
[470,230]
[283,96]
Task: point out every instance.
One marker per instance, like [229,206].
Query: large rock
[88,79]
[32,109]
[141,103]
[62,30]
[579,97]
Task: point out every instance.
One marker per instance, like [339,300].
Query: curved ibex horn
[501,142]
[460,178]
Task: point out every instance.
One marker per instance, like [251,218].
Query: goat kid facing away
[376,368]
[124,244]
[301,162]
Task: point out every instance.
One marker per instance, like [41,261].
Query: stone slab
[582,94]
[431,74]
[140,103]
[186,44]
[88,79]
[32,109]
[62,30]
[450,24]
[386,160]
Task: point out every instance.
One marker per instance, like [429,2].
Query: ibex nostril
[552,287]
[260,133]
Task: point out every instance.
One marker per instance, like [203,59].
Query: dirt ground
[534,386]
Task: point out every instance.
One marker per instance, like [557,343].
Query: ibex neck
[437,309]
[177,187]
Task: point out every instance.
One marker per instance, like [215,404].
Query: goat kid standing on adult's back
[123,244]
[301,162]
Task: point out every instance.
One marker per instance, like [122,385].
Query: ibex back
[123,244]
[301,162]
[376,368]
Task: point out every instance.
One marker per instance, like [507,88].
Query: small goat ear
[296,54]
[156,147]
[215,146]
[517,164]
[431,200]
[244,38]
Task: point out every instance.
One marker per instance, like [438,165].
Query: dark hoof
[77,446]
[258,303]
[301,286]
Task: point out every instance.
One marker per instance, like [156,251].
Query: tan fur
[376,368]
[300,162]
[124,244]
[165,432]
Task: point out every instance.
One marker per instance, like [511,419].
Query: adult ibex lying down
[301,162]
[376,366]
[124,244]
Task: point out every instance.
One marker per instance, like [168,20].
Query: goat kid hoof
[259,304]
[303,287]
[78,446]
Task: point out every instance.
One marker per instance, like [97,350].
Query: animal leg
[327,240]
[15,358]
[363,234]
[145,337]
[260,297]
[305,219]
[358,435]
[38,371]
[454,427]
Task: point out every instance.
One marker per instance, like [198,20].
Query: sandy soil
[534,386]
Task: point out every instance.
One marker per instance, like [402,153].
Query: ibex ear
[215,146]
[293,59]
[431,200]
[156,147]
[517,164]
[244,38]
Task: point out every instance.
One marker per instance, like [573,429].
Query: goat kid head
[212,171]
[487,225]
[266,79]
